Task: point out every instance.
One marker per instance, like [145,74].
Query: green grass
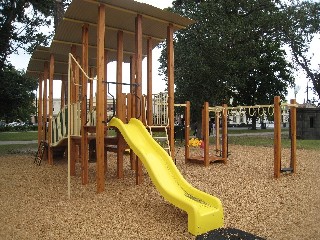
[18,136]
[267,141]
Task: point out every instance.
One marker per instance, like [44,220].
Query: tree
[301,24]
[20,23]
[20,28]
[16,95]
[233,51]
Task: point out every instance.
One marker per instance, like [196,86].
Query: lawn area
[267,141]
[18,136]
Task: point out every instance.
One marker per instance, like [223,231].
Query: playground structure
[221,150]
[126,32]
[278,110]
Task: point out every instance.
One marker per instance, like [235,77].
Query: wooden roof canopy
[120,15]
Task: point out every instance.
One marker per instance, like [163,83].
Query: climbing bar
[289,105]
[180,105]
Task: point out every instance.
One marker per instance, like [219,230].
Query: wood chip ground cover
[34,202]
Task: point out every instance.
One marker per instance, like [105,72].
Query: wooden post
[50,153]
[217,131]
[133,158]
[40,118]
[224,133]
[105,85]
[170,69]
[187,130]
[119,73]
[205,133]
[45,99]
[91,90]
[138,69]
[63,92]
[293,128]
[149,83]
[84,136]
[120,103]
[277,137]
[100,99]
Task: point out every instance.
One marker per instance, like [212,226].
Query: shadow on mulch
[228,233]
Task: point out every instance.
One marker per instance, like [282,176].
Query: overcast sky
[20,61]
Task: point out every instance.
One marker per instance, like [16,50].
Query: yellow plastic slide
[205,212]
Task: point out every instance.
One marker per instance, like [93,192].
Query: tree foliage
[16,95]
[20,24]
[301,25]
[233,51]
[20,28]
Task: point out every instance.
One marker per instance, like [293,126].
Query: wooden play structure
[220,150]
[91,35]
[279,112]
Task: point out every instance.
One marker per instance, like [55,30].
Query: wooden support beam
[149,83]
[45,99]
[138,69]
[133,103]
[120,114]
[105,84]
[205,133]
[138,40]
[51,73]
[63,92]
[132,88]
[40,108]
[170,70]
[187,130]
[277,137]
[217,131]
[100,99]
[293,135]
[84,135]
[224,133]
[91,90]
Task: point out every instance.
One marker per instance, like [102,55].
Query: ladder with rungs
[163,141]
[40,153]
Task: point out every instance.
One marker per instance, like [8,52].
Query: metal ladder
[163,141]
[40,153]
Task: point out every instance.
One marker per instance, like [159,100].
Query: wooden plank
[170,69]
[63,92]
[100,99]
[293,128]
[187,130]
[277,137]
[45,99]
[149,83]
[138,69]
[51,72]
[84,136]
[205,133]
[119,111]
[40,108]
[91,90]
[138,54]
[224,133]
[133,103]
